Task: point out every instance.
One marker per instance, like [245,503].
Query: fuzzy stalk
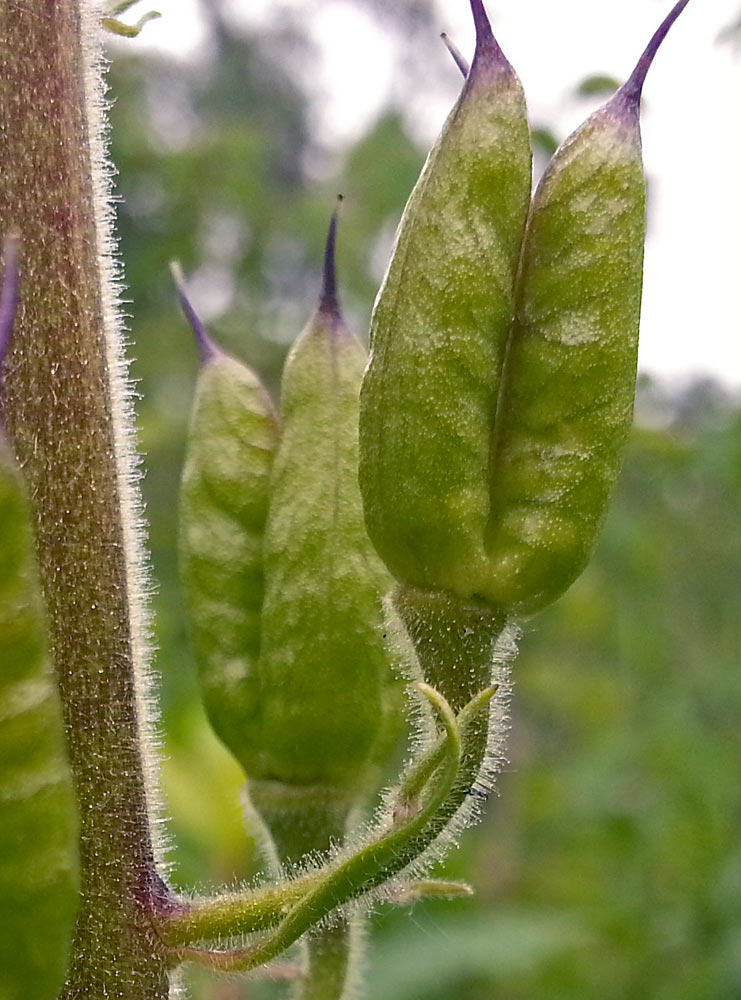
[65,408]
[307,822]
[454,645]
[398,844]
[331,954]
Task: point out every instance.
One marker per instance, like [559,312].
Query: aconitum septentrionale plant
[359,552]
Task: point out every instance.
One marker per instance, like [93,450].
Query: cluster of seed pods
[488,433]
[499,392]
[281,579]
[494,413]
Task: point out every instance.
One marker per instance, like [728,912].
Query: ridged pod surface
[284,587]
[496,407]
[438,337]
[232,442]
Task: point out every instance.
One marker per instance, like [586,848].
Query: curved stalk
[319,893]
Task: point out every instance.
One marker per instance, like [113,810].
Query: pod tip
[458,57]
[629,95]
[481,22]
[207,349]
[487,47]
[329,303]
[9,291]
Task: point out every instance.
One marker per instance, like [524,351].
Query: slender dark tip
[329,302]
[9,291]
[207,349]
[481,21]
[630,93]
[458,57]
[487,47]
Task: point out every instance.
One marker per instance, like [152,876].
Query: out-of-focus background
[609,865]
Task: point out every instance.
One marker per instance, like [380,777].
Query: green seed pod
[439,332]
[323,668]
[282,582]
[38,822]
[568,386]
[488,477]
[232,441]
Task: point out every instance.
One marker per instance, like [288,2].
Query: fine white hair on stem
[122,397]
[494,760]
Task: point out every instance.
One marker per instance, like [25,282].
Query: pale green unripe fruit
[439,334]
[569,381]
[499,394]
[322,661]
[224,503]
[283,585]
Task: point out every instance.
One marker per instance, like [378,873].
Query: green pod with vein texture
[568,385]
[325,681]
[544,451]
[439,332]
[232,440]
[284,587]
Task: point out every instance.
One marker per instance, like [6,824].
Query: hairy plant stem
[331,953]
[308,821]
[454,642]
[61,397]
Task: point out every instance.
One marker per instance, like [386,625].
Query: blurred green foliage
[599,85]
[609,866]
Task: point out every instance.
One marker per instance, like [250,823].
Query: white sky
[691,131]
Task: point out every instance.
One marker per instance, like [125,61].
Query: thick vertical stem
[62,391]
